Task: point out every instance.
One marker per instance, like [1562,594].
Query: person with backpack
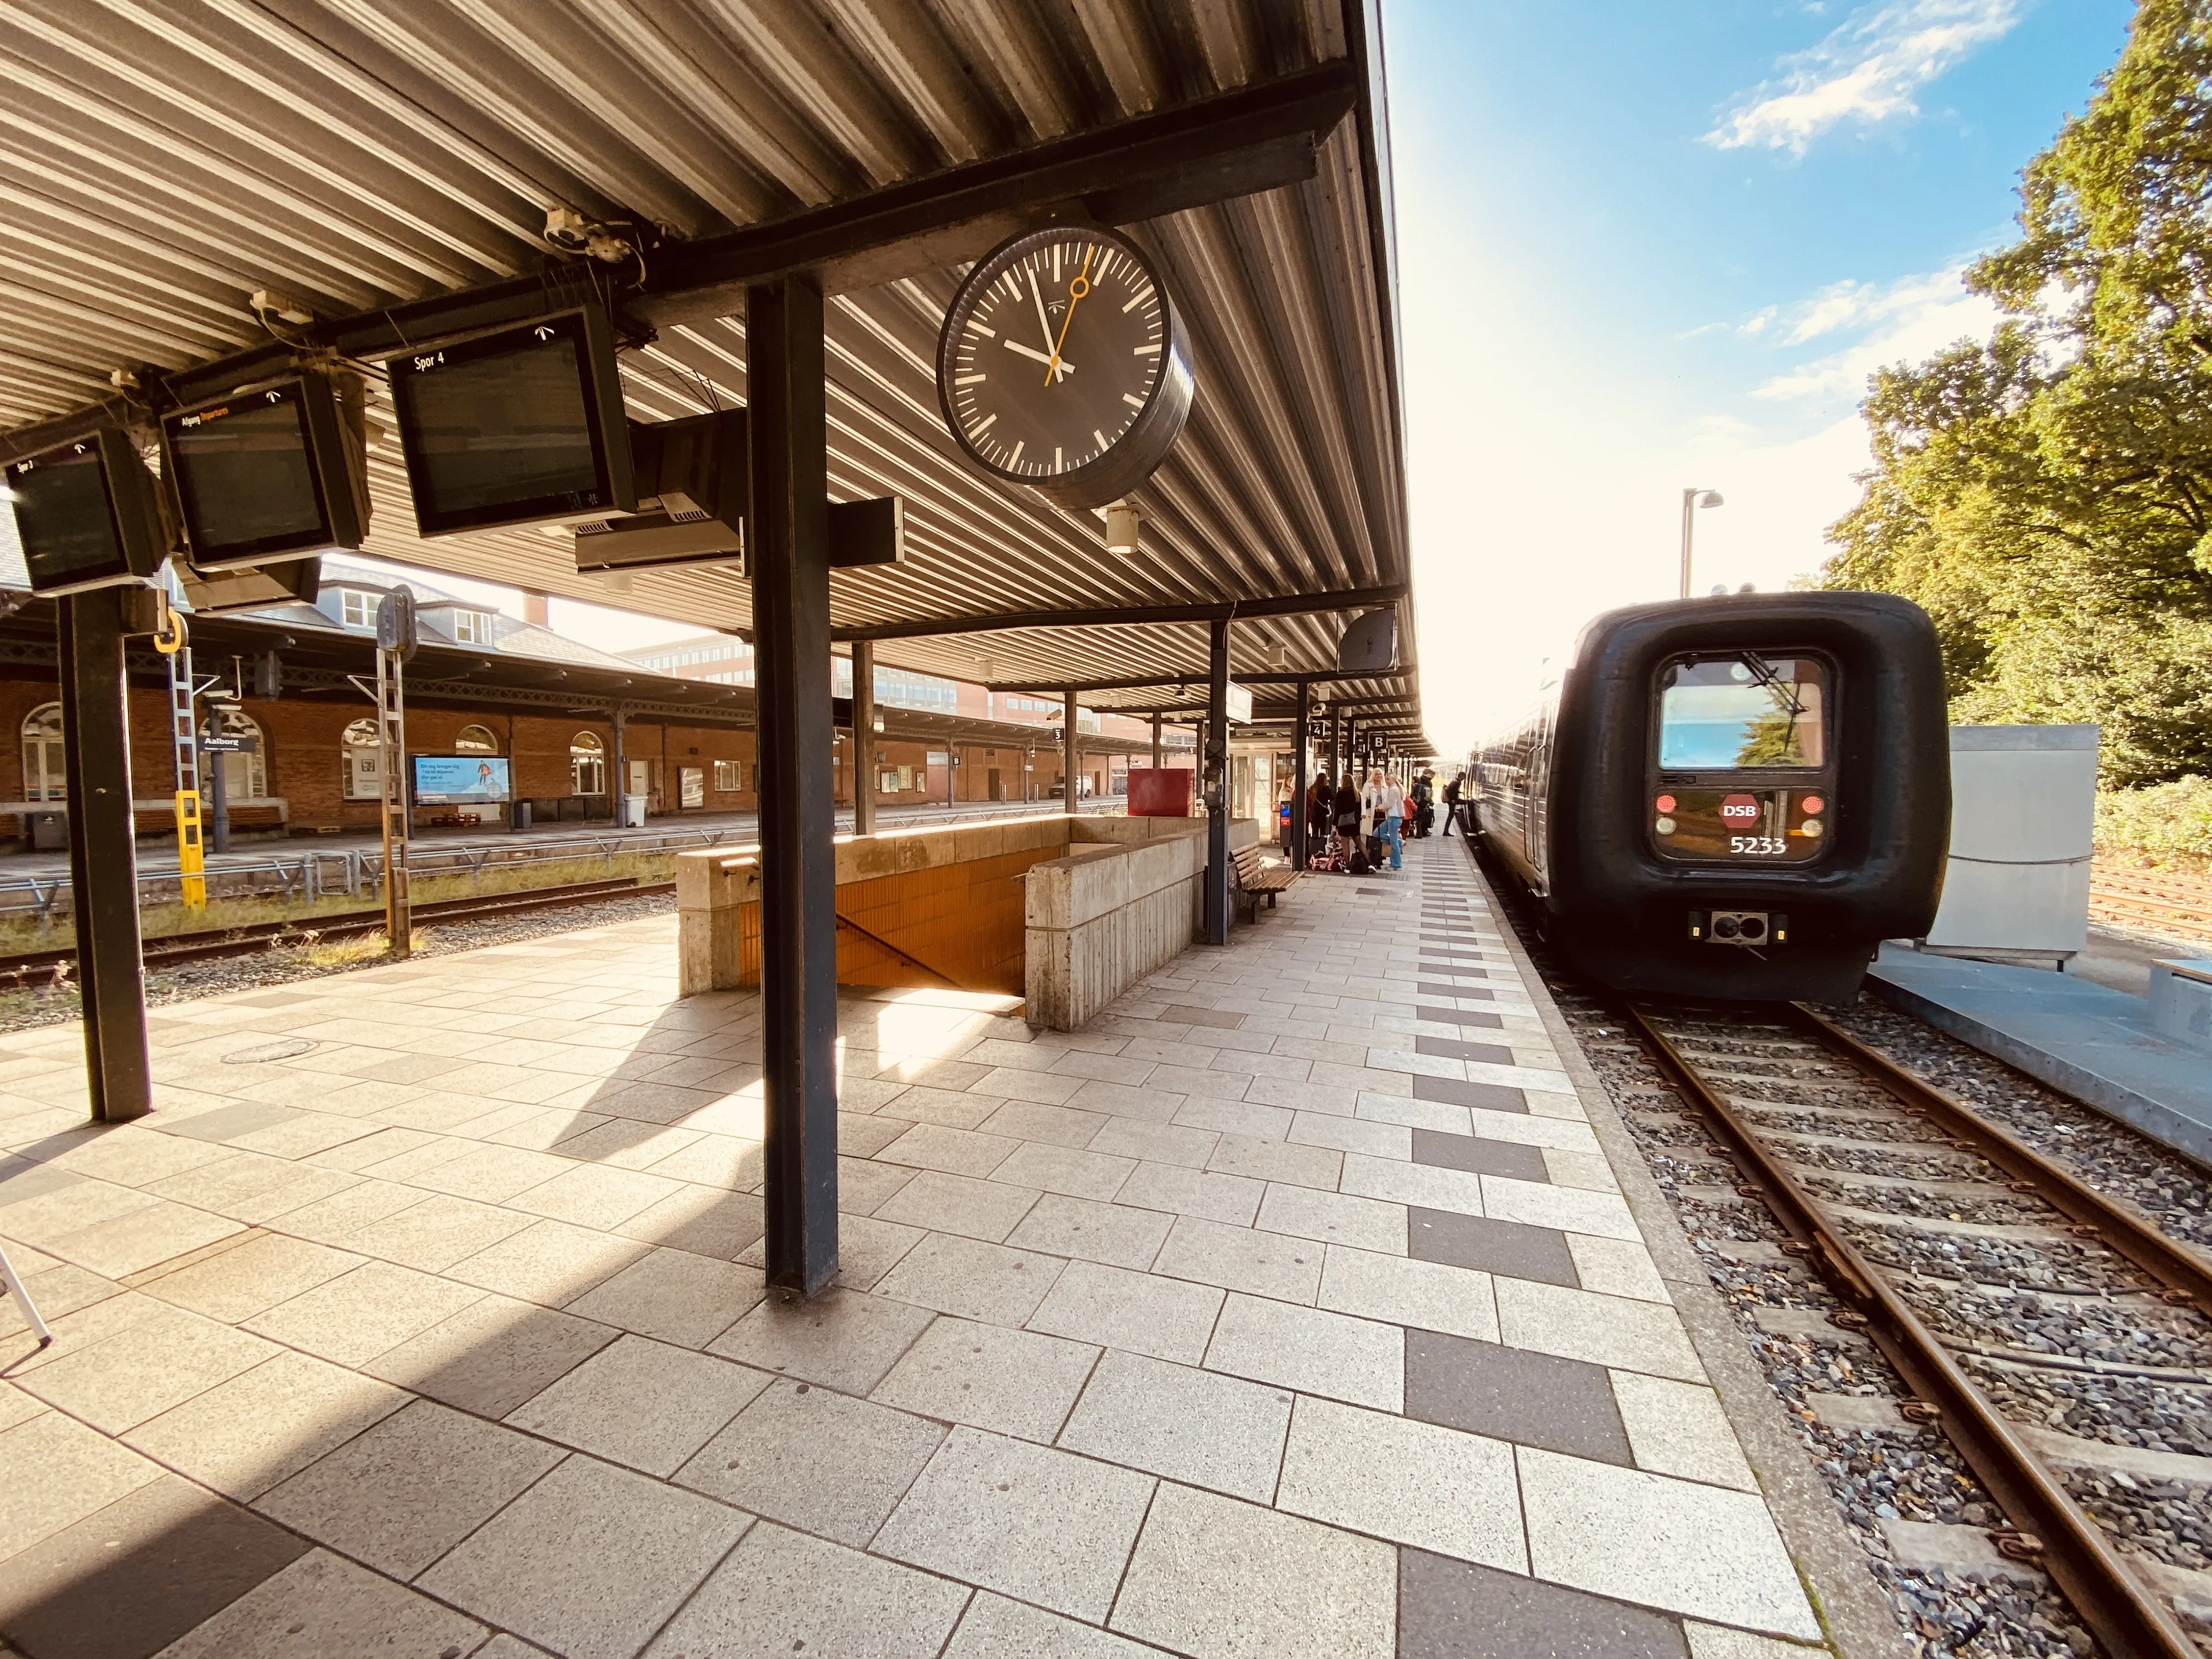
[1424,796]
[1453,792]
[1345,807]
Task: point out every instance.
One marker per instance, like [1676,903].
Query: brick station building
[577,724]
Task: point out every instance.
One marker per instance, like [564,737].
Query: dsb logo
[1740,809]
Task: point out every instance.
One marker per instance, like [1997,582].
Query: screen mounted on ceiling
[525,426]
[85,513]
[270,473]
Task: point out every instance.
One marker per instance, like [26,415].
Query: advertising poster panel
[461,779]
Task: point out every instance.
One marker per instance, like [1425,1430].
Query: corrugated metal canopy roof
[159,163]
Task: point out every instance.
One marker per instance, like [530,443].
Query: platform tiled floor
[1290,1310]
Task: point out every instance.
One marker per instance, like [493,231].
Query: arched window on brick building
[476,740]
[245,771]
[43,776]
[362,759]
[588,764]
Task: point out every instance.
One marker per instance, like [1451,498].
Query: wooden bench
[1255,881]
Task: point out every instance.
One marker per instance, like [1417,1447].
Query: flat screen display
[461,779]
[64,519]
[507,429]
[245,479]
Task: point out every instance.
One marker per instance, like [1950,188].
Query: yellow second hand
[1076,290]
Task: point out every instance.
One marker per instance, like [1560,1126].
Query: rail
[179,949]
[316,873]
[2053,1530]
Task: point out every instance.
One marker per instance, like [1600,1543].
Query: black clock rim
[1125,463]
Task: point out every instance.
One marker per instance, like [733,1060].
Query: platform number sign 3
[1064,366]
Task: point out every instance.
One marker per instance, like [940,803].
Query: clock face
[1063,366]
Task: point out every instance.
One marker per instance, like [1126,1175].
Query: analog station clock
[1064,366]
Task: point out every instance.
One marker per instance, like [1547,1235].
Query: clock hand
[1076,290]
[1043,321]
[1034,356]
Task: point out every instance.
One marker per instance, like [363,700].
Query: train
[1734,797]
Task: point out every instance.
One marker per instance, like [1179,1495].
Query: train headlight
[1810,827]
[1665,826]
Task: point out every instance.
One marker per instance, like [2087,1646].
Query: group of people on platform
[1350,825]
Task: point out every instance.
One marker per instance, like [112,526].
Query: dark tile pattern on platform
[1491,1054]
[1424,988]
[1451,1091]
[1498,1158]
[1514,1394]
[1511,1247]
[1451,1609]
[1456,1017]
[1221,1019]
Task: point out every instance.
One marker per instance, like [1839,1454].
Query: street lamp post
[1692,501]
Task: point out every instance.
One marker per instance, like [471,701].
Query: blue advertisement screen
[459,780]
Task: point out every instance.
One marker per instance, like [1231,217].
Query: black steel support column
[103,854]
[788,558]
[1217,792]
[1335,745]
[1070,790]
[1156,743]
[620,721]
[864,739]
[1298,782]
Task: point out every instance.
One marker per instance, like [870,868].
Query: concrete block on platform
[2085,1040]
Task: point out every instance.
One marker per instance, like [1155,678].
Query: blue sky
[1646,245]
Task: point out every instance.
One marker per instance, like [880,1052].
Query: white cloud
[1910,319]
[1868,71]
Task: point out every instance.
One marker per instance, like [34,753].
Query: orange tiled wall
[965,920]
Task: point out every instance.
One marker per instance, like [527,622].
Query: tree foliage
[2047,496]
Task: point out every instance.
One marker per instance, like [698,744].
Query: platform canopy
[390,164]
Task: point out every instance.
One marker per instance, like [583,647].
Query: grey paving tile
[243,1436]
[1058,1126]
[1509,1393]
[703,1220]
[675,1297]
[1352,1134]
[1605,1330]
[1502,1157]
[1680,1429]
[1016,1382]
[1466,1019]
[1136,1312]
[641,1403]
[1665,1543]
[844,1339]
[781,1592]
[1311,1350]
[995,1628]
[969,1278]
[1409,1481]
[1220,1579]
[1280,1160]
[1450,1609]
[956,1151]
[1040,1525]
[358,1316]
[1161,1142]
[551,1262]
[402,1494]
[1112,1233]
[542,1568]
[814,1459]
[491,1356]
[987,1210]
[1484,1097]
[1183,1191]
[1241,1258]
[1497,1246]
[1187,1424]
[1348,1219]
[55,1472]
[1423,1185]
[322,1607]
[1406,1290]
[253,1276]
[1065,1170]
[143,1370]
[138,1573]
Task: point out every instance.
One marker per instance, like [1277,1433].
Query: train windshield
[1742,713]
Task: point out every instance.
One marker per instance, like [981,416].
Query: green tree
[2047,496]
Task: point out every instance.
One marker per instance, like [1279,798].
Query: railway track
[179,949]
[1949,1243]
[2155,898]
